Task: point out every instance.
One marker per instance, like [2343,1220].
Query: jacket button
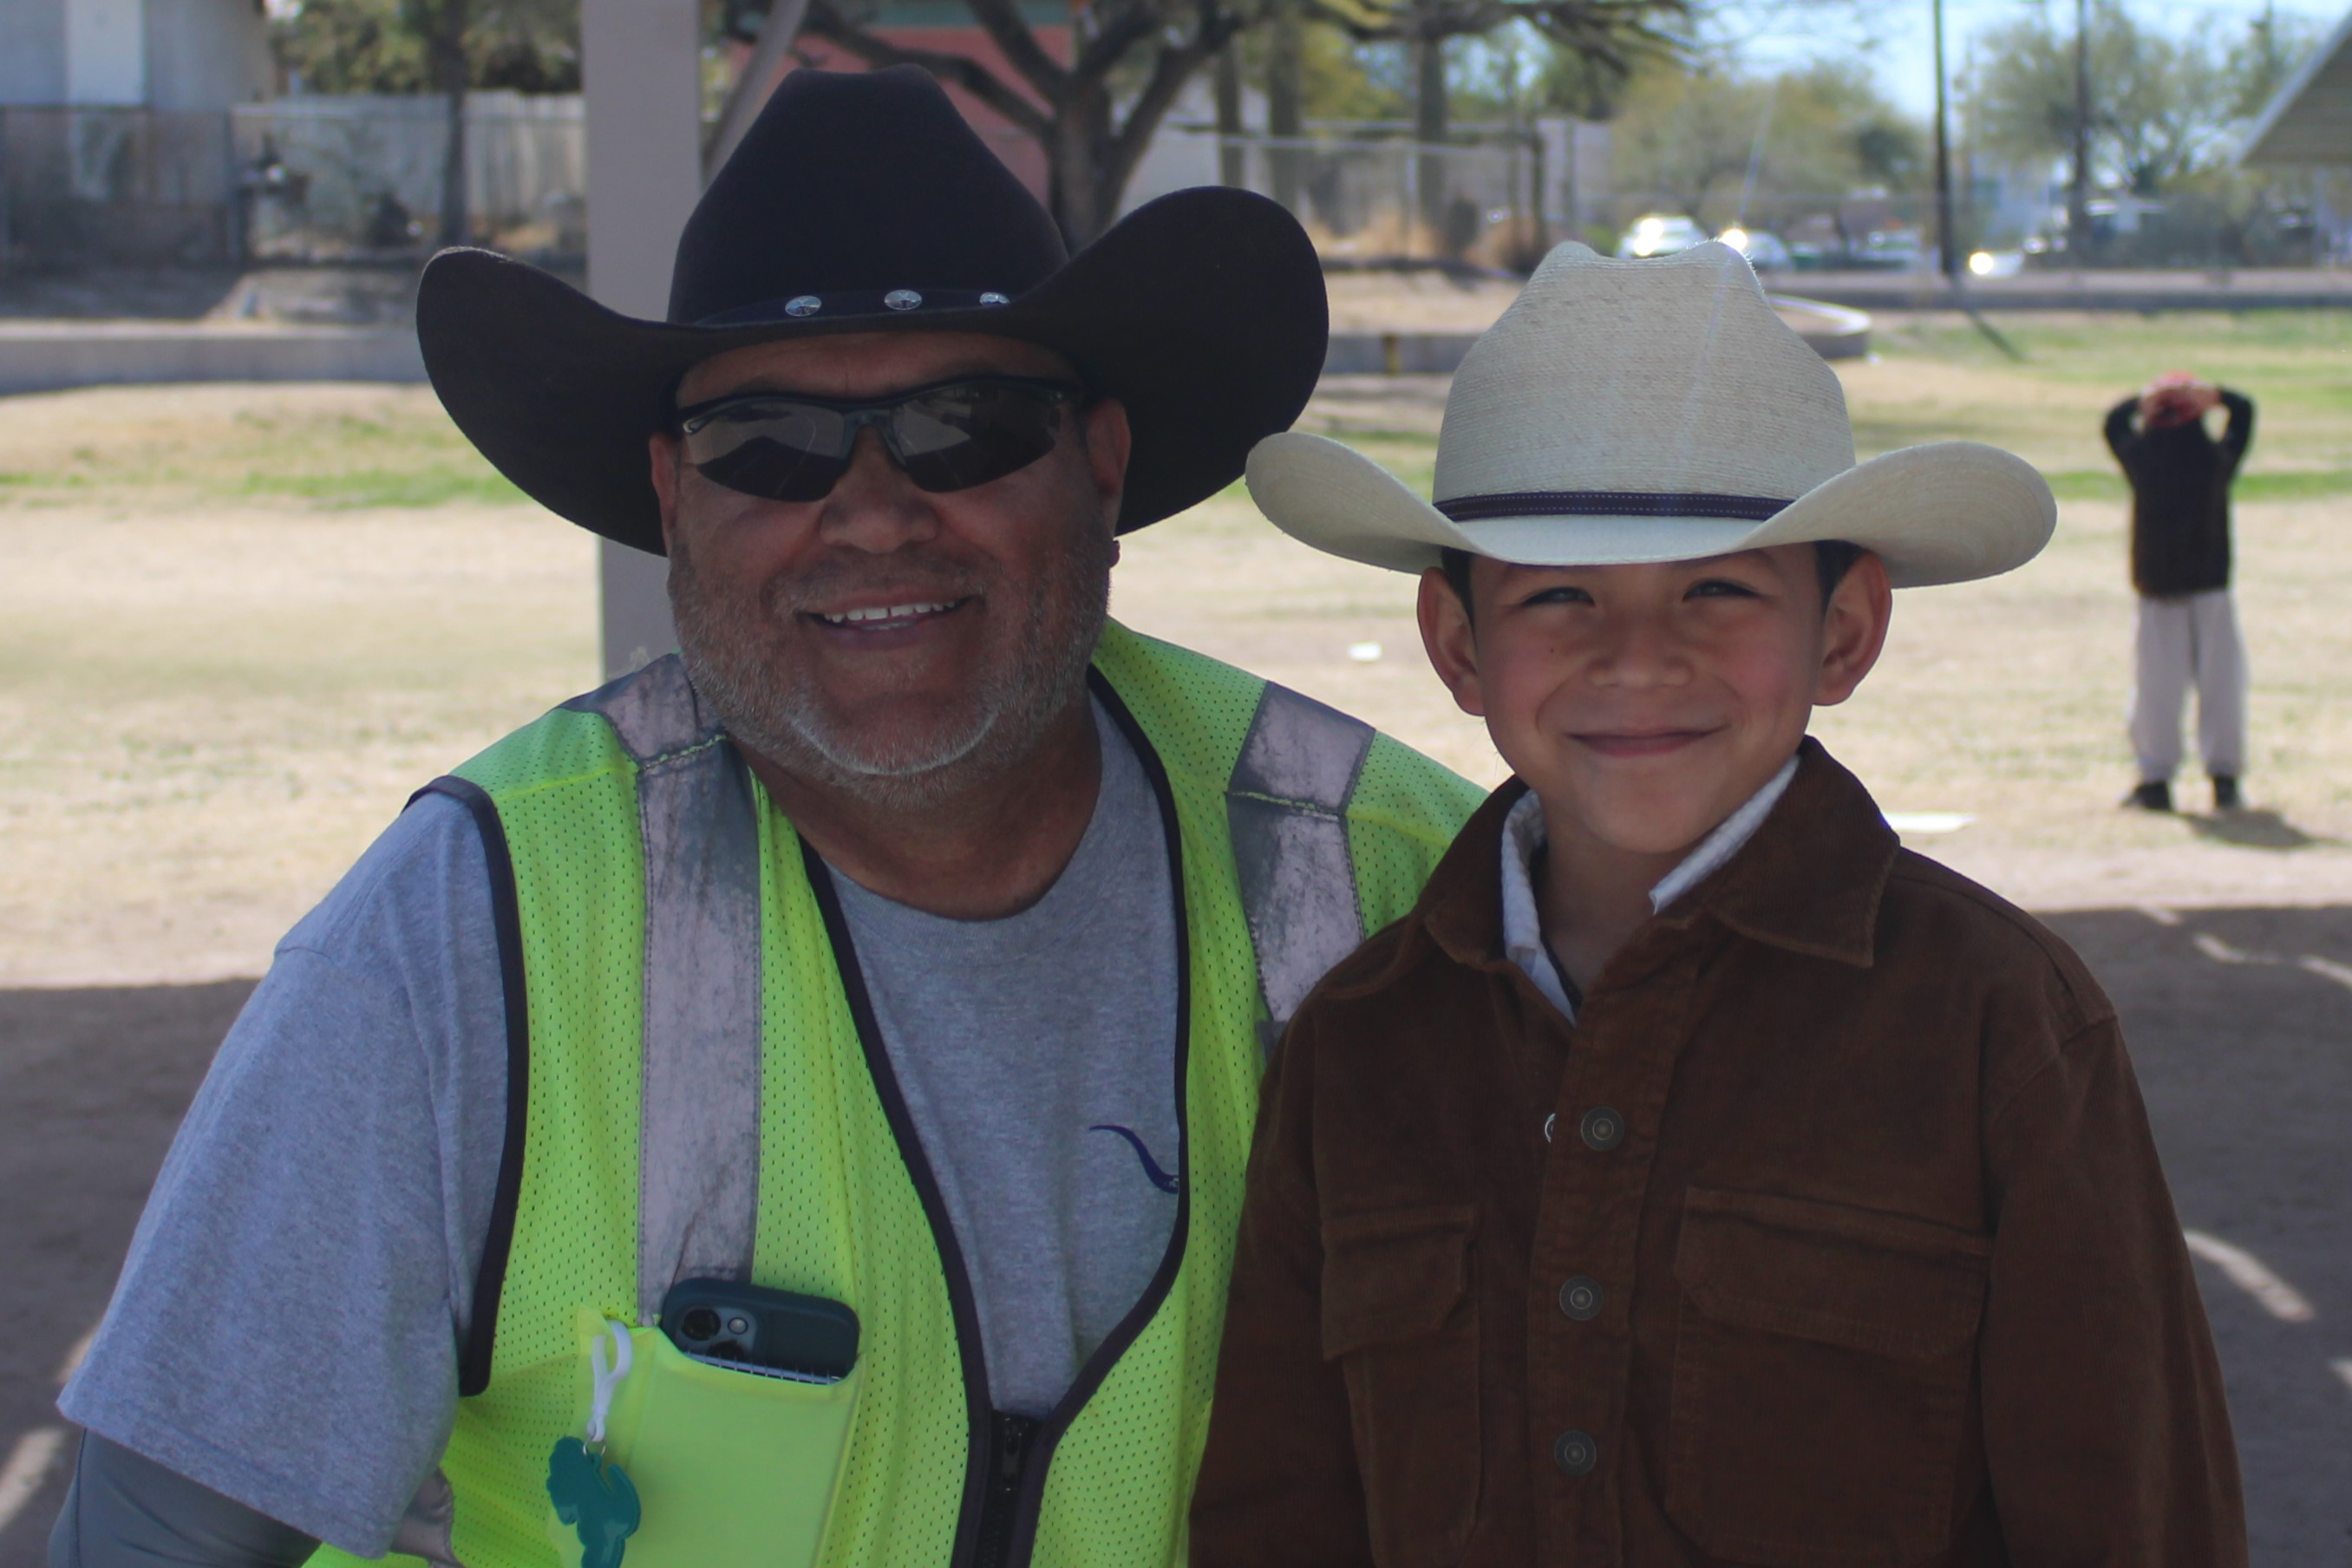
[1603,1129]
[1575,1452]
[1580,1298]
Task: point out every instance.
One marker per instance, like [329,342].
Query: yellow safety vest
[696,1087]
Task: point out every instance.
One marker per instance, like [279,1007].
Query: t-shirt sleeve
[286,1328]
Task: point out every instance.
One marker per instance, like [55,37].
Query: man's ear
[1109,443]
[1451,641]
[1854,629]
[661,453]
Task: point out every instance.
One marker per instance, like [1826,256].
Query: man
[2188,631]
[909,942]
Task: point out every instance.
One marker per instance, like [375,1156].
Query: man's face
[884,640]
[1645,703]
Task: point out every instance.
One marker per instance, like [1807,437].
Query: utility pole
[2078,199]
[1948,247]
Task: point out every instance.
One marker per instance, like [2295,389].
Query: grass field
[238,624]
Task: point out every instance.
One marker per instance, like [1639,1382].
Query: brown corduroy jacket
[1832,1234]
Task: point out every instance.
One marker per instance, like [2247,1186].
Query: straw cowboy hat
[1655,410]
[863,203]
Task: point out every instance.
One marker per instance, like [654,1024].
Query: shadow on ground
[2252,829]
[2241,1023]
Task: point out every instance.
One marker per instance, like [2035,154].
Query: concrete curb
[1834,332]
[49,356]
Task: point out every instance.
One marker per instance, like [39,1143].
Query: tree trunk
[1286,88]
[1429,118]
[449,51]
[1233,158]
[1082,137]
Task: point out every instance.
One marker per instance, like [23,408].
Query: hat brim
[1203,312]
[1949,511]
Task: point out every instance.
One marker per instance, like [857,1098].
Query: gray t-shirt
[1038,1059]
[287,1325]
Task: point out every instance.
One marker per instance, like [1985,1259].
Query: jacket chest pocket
[1823,1363]
[1400,1318]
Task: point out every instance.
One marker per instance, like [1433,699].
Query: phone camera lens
[699,1323]
[739,1326]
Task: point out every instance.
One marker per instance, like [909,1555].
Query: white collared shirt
[1523,838]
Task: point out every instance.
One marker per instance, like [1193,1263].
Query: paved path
[2241,1022]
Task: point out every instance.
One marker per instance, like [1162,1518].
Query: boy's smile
[1645,703]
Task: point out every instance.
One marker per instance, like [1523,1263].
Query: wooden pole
[641,64]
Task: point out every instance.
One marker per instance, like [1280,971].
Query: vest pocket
[1400,1320]
[729,1466]
[1823,1363]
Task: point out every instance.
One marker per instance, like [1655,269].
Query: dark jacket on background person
[1833,1232]
[2180,496]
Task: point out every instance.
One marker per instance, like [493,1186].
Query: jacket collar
[1810,880]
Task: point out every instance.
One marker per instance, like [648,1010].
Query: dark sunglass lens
[958,437]
[778,451]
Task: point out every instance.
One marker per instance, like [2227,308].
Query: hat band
[1610,503]
[857,302]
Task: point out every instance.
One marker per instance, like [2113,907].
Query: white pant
[2193,638]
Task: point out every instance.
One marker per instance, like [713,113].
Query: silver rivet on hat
[902,299]
[993,298]
[802,305]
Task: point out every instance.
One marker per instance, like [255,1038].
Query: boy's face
[1644,704]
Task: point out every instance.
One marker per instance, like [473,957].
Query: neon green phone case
[731,1466]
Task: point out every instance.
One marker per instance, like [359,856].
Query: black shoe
[2225,792]
[2153,795]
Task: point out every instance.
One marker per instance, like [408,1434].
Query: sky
[1902,51]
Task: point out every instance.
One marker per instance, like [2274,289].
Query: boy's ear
[1854,629]
[1447,636]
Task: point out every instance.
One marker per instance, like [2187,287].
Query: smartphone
[749,1328]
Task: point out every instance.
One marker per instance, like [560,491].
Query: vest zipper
[1010,1442]
[1006,1479]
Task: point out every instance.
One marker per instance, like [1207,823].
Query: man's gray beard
[771,712]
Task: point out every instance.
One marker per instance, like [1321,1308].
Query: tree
[1705,139]
[386,46]
[1095,114]
[2162,108]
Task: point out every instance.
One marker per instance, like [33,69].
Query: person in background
[2180,478]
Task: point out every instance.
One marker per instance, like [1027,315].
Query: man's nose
[874,506]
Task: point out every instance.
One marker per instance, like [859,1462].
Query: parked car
[1660,234]
[1764,249]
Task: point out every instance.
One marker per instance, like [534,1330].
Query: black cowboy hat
[862,203]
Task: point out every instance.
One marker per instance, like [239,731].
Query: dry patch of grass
[207,713]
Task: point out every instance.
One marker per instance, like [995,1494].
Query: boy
[2187,629]
[1695,1177]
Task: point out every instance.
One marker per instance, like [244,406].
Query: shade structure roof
[2309,123]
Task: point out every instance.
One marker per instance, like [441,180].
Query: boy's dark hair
[1832,559]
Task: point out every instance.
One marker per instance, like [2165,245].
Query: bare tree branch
[1001,20]
[965,72]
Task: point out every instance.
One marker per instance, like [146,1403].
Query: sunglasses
[950,437]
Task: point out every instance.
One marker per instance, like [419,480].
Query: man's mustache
[900,581]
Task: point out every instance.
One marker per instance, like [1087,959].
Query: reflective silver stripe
[698,1144]
[1286,806]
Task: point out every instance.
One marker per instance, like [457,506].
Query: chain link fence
[324,179]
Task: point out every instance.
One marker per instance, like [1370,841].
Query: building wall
[164,54]
[105,52]
[204,54]
[32,51]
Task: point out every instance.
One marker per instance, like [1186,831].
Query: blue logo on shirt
[1159,1178]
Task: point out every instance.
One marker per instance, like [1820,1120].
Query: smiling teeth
[883,613]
